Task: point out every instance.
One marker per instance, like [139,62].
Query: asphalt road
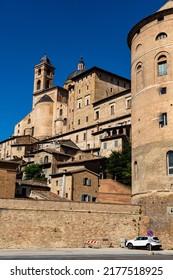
[85,254]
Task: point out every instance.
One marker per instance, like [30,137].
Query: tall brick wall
[32,224]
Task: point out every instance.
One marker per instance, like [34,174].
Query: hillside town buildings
[71,130]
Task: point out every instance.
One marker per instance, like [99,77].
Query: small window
[78,122]
[77,138]
[104,146]
[60,112]
[47,84]
[160,18]
[86,182]
[97,115]
[163,119]
[38,84]
[46,159]
[163,90]
[136,170]
[112,109]
[39,71]
[87,119]
[162,66]
[85,197]
[87,100]
[139,67]
[116,143]
[161,36]
[79,104]
[48,72]
[170,162]
[128,103]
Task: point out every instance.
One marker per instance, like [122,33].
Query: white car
[144,242]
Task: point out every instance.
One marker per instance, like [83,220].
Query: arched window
[38,84]
[48,72]
[161,35]
[135,170]
[46,159]
[138,67]
[39,71]
[139,76]
[47,84]
[162,65]
[29,121]
[138,47]
[60,112]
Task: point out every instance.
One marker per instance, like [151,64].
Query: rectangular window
[112,109]
[105,146]
[87,100]
[163,90]
[170,162]
[78,122]
[86,182]
[86,119]
[162,68]
[128,103]
[79,104]
[77,138]
[97,114]
[163,120]
[84,136]
[85,197]
[116,143]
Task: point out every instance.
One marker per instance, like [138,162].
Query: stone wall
[46,224]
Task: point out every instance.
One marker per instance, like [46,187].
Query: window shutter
[89,182]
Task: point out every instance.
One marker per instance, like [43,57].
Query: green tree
[118,165]
[33,171]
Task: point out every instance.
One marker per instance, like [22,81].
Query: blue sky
[65,30]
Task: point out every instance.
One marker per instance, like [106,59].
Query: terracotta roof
[110,186]
[46,195]
[44,98]
[32,183]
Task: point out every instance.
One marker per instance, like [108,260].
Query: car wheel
[149,247]
[130,246]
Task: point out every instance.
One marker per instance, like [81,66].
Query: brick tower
[151,44]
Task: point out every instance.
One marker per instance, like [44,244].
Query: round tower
[151,44]
[43,115]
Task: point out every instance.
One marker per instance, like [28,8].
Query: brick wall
[32,224]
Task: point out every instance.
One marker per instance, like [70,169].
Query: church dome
[74,74]
[45,59]
[81,69]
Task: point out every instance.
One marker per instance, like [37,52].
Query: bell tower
[43,76]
